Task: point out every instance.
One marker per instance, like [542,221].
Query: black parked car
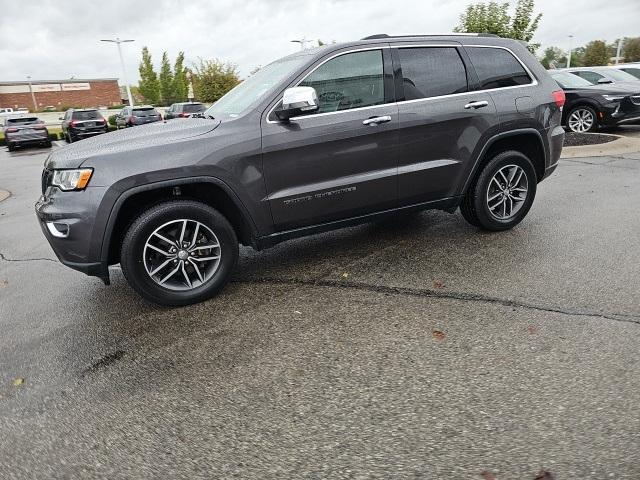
[82,123]
[183,110]
[23,131]
[321,139]
[133,116]
[589,107]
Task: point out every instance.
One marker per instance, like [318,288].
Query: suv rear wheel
[502,194]
[179,252]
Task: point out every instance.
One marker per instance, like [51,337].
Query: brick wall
[101,93]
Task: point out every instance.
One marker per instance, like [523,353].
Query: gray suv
[319,140]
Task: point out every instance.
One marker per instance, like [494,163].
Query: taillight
[73,123]
[131,119]
[39,127]
[12,130]
[183,115]
[559,97]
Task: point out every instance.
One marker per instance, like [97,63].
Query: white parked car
[632,68]
[603,75]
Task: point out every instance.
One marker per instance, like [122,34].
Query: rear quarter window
[497,68]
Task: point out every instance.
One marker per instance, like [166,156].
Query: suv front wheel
[502,193]
[179,252]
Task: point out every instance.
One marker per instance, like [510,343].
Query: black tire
[47,144]
[11,147]
[134,241]
[583,108]
[474,206]
[69,138]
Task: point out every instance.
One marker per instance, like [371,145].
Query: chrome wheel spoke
[507,192]
[176,265]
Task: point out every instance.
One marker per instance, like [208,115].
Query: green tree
[180,83]
[148,85]
[577,57]
[596,53]
[213,78]
[493,17]
[632,49]
[553,58]
[166,81]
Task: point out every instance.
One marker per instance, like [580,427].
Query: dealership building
[40,94]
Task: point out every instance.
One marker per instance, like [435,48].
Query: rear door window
[497,68]
[592,77]
[352,80]
[432,72]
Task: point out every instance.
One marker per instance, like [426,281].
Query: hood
[128,141]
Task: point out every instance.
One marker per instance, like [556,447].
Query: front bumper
[67,220]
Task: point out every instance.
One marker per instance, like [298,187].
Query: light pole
[302,42]
[570,48]
[618,50]
[117,41]
[33,95]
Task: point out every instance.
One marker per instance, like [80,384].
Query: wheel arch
[209,190]
[527,141]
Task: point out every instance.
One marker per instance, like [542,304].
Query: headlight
[71,179]
[613,98]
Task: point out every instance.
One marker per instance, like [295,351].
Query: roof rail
[384,35]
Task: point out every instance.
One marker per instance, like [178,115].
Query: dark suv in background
[134,116]
[321,139]
[82,123]
[183,110]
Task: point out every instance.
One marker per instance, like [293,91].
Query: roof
[67,80]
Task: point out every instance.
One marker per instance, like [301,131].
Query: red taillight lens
[132,119]
[183,115]
[12,130]
[72,123]
[559,97]
[39,127]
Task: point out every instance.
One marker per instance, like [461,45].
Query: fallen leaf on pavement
[438,335]
[532,329]
[438,284]
[345,274]
[487,475]
[18,381]
[3,283]
[544,475]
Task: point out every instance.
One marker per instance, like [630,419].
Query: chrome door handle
[377,120]
[480,104]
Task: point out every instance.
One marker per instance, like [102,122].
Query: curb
[618,147]
[4,194]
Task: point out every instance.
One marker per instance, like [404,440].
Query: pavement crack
[40,259]
[429,293]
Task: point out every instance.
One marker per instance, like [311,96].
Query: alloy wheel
[507,192]
[182,254]
[581,120]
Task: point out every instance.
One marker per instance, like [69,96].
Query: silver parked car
[604,75]
[21,131]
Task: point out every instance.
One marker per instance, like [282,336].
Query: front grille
[46,179]
[635,99]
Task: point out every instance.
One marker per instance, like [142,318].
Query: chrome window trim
[533,83]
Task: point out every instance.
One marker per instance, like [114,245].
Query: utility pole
[33,95]
[570,48]
[619,50]
[117,41]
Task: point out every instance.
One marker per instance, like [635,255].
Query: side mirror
[296,101]
[60,118]
[604,80]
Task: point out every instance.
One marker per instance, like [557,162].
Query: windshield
[253,89]
[569,80]
[620,76]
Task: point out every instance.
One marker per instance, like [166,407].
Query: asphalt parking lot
[414,348]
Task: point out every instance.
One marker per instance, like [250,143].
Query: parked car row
[598,97]
[82,123]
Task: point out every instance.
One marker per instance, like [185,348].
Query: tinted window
[22,120]
[633,71]
[497,68]
[433,71]
[566,80]
[193,107]
[144,112]
[349,81]
[592,77]
[86,115]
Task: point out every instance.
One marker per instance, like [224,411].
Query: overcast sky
[59,39]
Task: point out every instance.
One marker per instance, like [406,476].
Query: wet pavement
[413,348]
